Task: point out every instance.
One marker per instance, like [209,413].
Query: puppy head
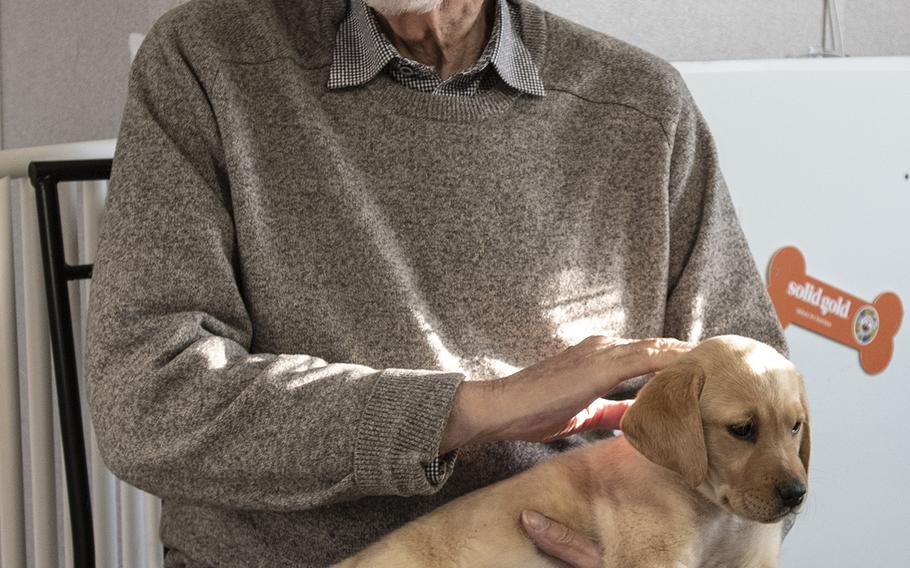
[731,418]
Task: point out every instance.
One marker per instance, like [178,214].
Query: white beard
[397,7]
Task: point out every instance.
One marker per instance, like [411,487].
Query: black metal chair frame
[45,177]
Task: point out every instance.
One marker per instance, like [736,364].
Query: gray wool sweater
[291,282]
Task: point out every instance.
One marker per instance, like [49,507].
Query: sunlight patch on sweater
[581,310]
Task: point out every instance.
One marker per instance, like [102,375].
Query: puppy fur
[695,482]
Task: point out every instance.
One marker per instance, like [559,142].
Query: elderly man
[325,216]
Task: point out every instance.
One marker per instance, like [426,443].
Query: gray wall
[64,63]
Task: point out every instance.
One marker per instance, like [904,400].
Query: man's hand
[561,542]
[558,396]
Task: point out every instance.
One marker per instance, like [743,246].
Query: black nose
[791,492]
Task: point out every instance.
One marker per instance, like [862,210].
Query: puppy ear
[805,442]
[665,424]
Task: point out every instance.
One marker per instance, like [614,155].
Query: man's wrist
[474,418]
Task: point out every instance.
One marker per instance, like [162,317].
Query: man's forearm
[543,402]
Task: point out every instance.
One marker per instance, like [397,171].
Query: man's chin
[399,7]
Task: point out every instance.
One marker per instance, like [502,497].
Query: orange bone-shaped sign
[869,327]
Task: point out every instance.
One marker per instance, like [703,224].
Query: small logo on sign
[865,325]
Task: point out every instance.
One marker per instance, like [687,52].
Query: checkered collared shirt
[362,51]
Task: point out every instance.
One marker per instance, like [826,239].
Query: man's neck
[450,38]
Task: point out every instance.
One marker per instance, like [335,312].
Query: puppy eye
[796,427]
[743,431]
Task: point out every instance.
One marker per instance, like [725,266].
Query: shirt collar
[511,57]
[362,51]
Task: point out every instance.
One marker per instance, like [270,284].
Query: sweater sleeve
[714,285]
[180,406]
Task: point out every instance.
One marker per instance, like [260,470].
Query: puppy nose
[791,492]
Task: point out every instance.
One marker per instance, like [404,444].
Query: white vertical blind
[38,389]
[12,509]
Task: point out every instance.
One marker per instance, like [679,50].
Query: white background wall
[64,63]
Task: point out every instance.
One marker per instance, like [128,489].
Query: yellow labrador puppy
[714,454]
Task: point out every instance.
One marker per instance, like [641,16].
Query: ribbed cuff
[400,431]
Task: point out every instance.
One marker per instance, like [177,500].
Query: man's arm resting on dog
[523,406]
